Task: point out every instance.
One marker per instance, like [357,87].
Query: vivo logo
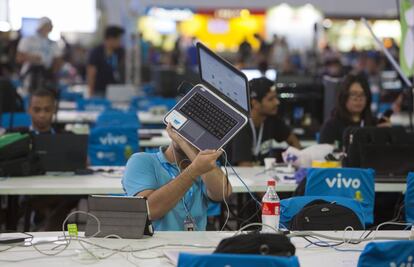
[110,139]
[409,263]
[340,182]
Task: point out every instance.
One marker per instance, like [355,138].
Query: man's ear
[254,103]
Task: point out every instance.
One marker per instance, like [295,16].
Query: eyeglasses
[356,96]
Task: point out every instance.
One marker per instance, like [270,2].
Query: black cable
[320,245]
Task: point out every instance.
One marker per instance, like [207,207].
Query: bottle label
[271,208]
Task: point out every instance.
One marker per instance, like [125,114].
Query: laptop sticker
[176,119]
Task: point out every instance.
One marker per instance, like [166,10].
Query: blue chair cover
[409,199]
[239,260]
[93,104]
[113,118]
[112,146]
[20,119]
[213,208]
[289,207]
[354,183]
[387,254]
[145,103]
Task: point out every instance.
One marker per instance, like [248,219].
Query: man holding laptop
[179,180]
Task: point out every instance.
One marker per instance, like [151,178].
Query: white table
[74,255]
[73,116]
[110,183]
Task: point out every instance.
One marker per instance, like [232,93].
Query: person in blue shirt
[178,181]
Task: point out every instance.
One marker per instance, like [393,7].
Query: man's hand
[204,162]
[186,147]
[174,136]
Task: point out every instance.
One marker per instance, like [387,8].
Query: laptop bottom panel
[196,133]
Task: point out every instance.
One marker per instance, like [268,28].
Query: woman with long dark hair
[353,108]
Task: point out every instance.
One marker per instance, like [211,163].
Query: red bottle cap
[271,183]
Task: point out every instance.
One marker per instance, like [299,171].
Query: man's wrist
[191,172]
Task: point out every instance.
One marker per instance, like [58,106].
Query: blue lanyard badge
[112,61]
[36,132]
[173,172]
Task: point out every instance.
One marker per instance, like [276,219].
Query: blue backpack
[354,183]
[387,254]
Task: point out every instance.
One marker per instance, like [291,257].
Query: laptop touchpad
[192,131]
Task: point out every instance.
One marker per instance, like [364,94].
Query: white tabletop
[110,183]
[73,116]
[74,255]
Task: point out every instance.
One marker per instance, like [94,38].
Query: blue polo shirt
[150,171]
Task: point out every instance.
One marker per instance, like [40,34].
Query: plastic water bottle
[270,208]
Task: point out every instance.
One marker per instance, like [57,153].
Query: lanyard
[36,132]
[257,141]
[170,169]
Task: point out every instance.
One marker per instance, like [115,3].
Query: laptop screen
[223,77]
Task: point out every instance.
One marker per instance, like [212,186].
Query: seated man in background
[177,181]
[42,107]
[49,211]
[257,139]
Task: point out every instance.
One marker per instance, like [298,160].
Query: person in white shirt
[40,57]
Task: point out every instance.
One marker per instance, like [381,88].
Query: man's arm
[292,140]
[217,184]
[90,77]
[162,200]
[214,179]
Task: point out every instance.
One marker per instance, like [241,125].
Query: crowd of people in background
[34,58]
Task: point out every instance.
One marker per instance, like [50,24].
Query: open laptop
[391,163]
[61,152]
[212,112]
[127,217]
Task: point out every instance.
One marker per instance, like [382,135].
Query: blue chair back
[239,260]
[20,119]
[387,254]
[113,118]
[409,199]
[70,96]
[289,207]
[145,103]
[354,183]
[93,104]
[213,208]
[112,146]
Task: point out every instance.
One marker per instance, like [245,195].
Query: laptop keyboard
[208,115]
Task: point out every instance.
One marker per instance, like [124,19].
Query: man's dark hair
[260,87]
[113,32]
[341,112]
[44,93]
